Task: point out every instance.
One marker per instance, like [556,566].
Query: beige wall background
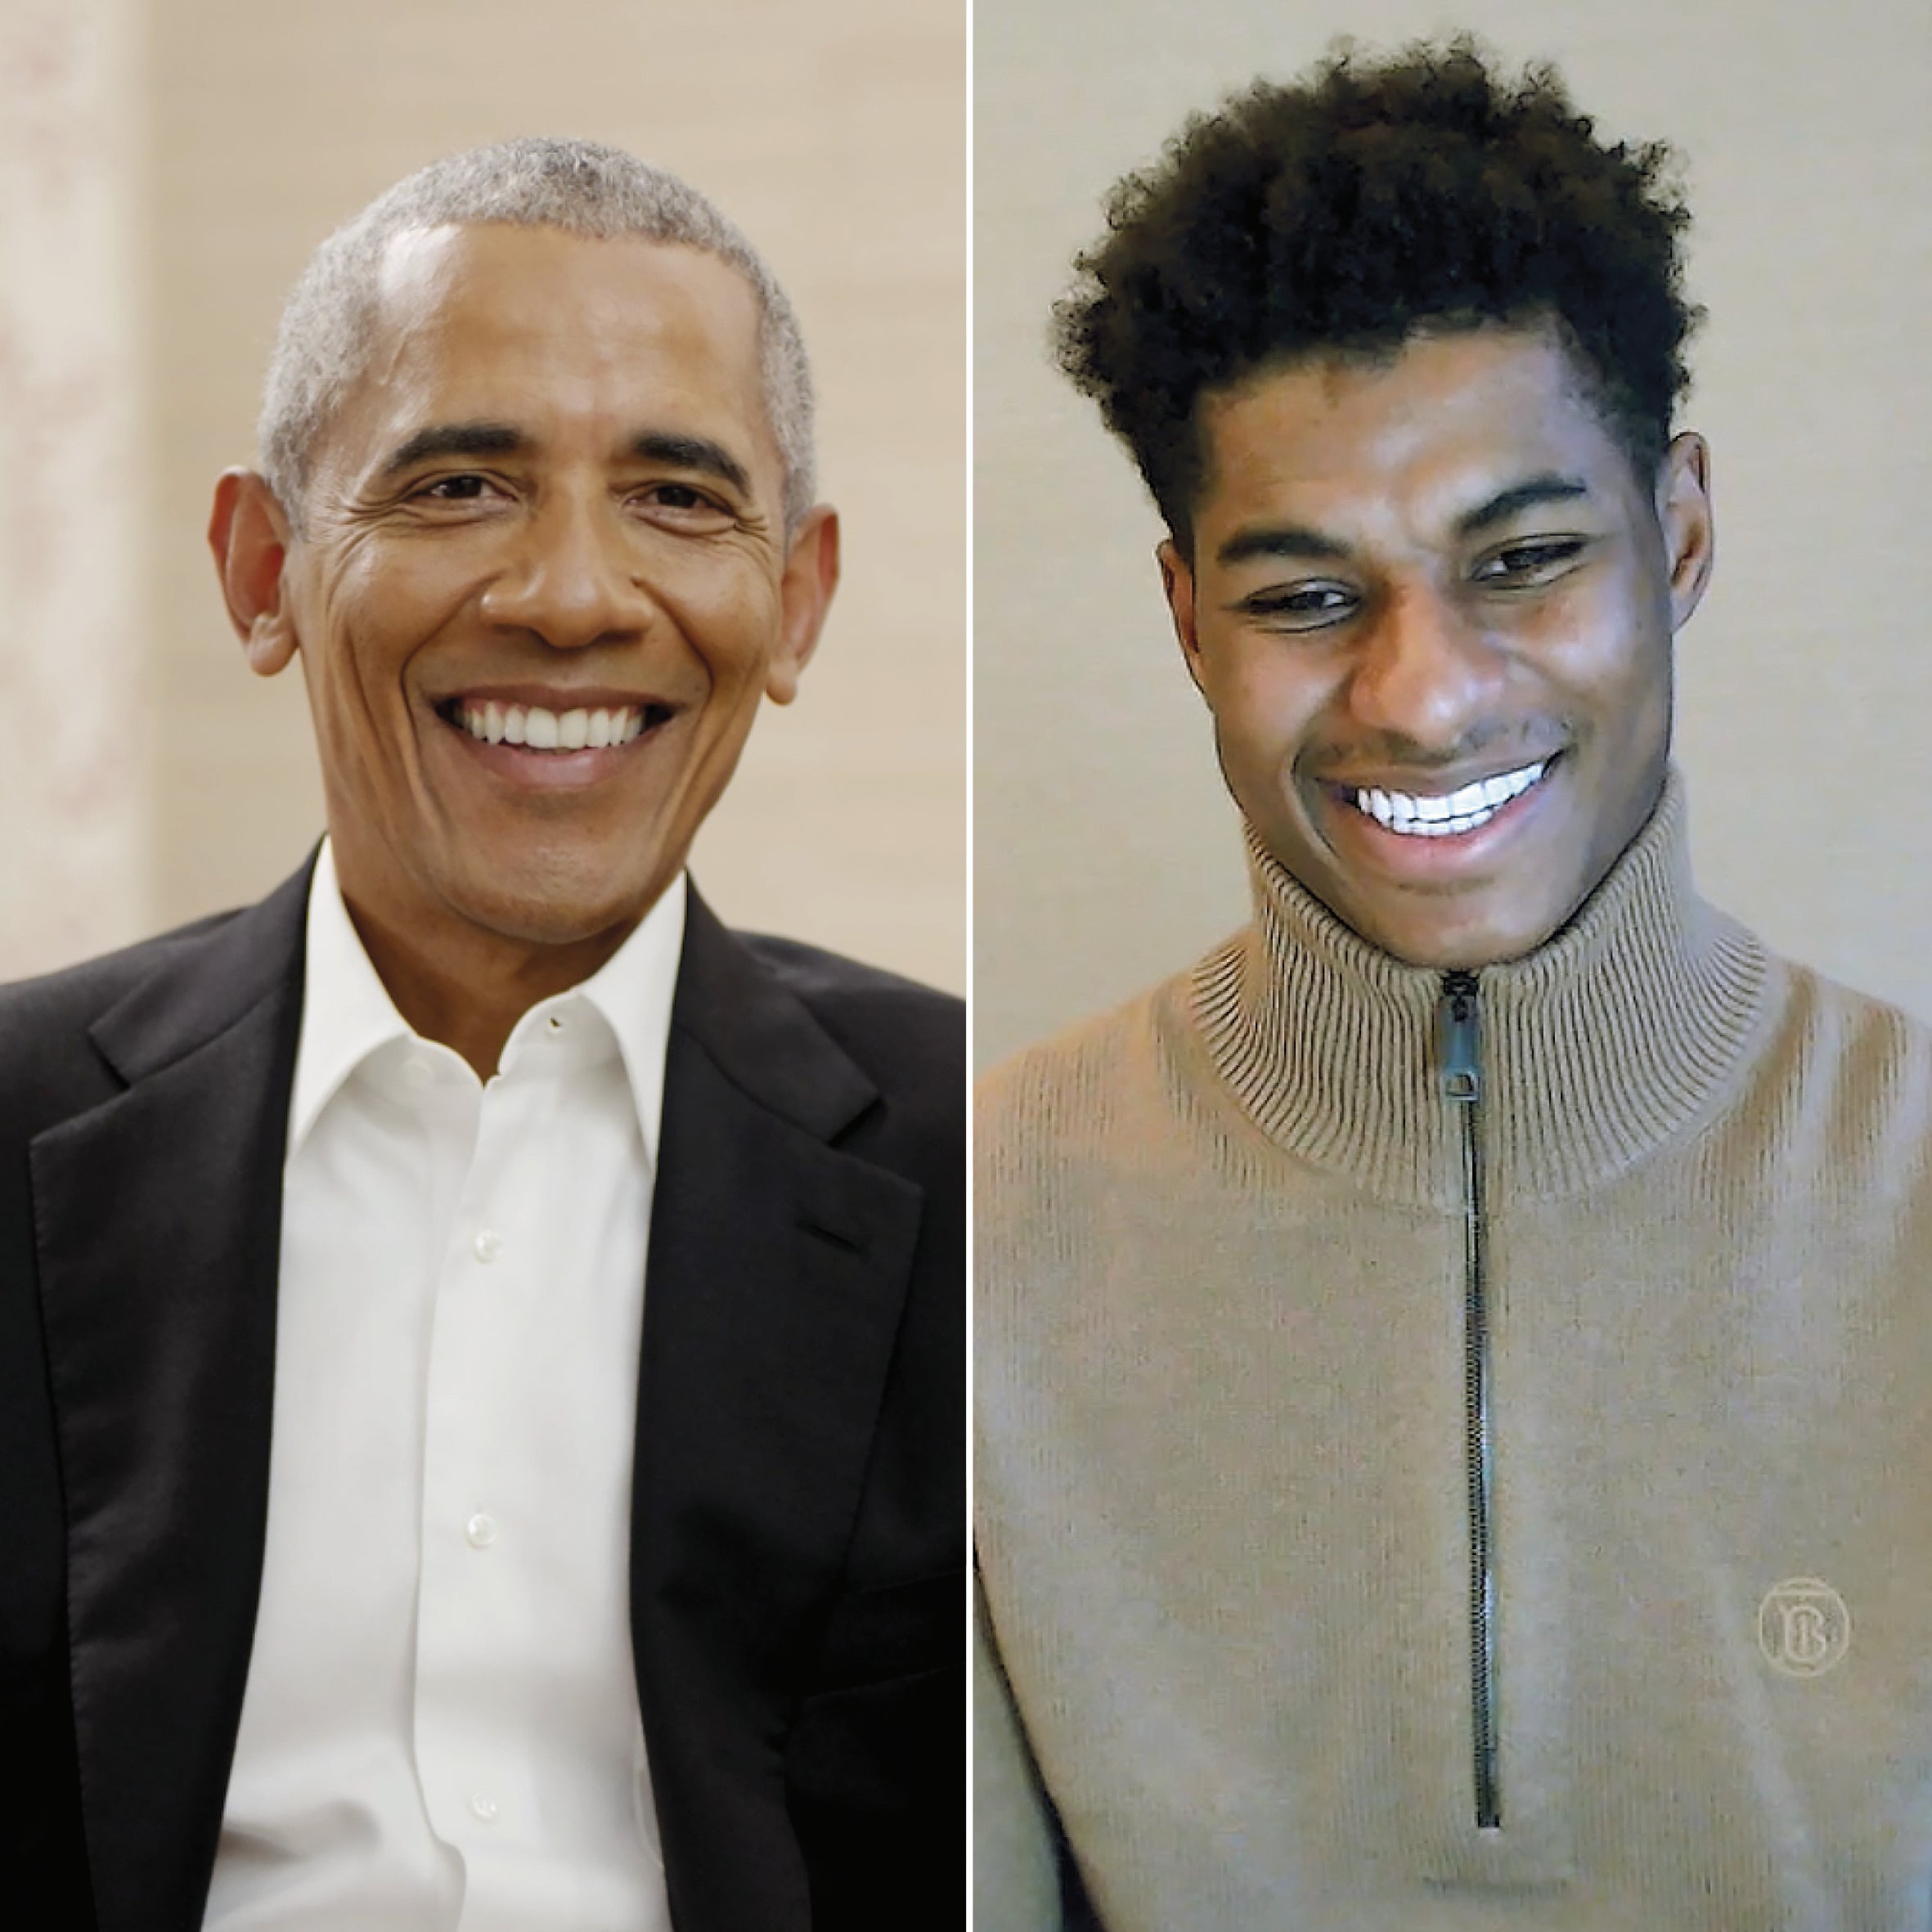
[74,778]
[1105,853]
[165,168]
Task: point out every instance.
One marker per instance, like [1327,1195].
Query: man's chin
[556,905]
[1440,934]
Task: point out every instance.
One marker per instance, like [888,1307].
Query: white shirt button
[489,1244]
[417,1070]
[556,1023]
[481,1530]
[484,1806]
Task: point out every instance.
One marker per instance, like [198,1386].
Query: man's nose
[1426,672]
[571,577]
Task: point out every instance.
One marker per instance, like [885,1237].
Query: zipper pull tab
[1459,1023]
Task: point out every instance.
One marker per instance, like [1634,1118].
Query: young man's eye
[1300,606]
[1528,562]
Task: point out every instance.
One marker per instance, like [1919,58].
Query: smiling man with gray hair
[480,1343]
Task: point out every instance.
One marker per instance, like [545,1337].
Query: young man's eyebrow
[1278,539]
[692,452]
[1547,488]
[1295,541]
[455,439]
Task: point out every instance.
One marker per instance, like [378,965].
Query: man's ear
[1684,516]
[1177,579]
[805,594]
[249,534]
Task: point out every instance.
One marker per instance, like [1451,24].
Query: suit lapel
[778,1270]
[157,1219]
[778,1267]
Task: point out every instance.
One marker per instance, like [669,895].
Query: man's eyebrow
[692,452]
[698,453]
[1547,488]
[1295,541]
[455,439]
[1278,539]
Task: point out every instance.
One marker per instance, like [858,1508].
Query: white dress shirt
[440,1727]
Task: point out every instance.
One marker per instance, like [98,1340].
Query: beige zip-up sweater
[1223,1472]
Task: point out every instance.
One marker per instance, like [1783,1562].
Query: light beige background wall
[834,133]
[1105,853]
[74,781]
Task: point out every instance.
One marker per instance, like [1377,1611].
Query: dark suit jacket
[797,1595]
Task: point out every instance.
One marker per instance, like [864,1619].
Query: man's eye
[685,507]
[681,496]
[1528,563]
[1305,607]
[455,489]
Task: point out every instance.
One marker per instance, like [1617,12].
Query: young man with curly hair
[1450,1364]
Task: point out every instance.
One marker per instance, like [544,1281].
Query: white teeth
[1429,816]
[548,731]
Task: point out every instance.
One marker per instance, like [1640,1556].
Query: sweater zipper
[1461,1086]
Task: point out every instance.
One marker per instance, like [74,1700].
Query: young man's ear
[248,533]
[1684,515]
[1177,579]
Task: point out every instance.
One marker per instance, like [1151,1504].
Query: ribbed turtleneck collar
[1619,1033]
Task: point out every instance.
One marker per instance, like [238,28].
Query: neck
[467,988]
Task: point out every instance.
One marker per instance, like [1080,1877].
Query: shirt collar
[632,991]
[347,1014]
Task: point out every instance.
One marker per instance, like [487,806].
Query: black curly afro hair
[1347,213]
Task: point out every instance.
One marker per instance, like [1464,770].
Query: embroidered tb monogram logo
[1803,1628]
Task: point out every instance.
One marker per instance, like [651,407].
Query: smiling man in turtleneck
[1451,1365]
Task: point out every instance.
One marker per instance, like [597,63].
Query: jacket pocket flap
[894,1630]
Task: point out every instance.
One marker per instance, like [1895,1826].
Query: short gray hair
[579,187]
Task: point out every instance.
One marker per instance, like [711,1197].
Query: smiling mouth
[1417,816]
[537,729]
